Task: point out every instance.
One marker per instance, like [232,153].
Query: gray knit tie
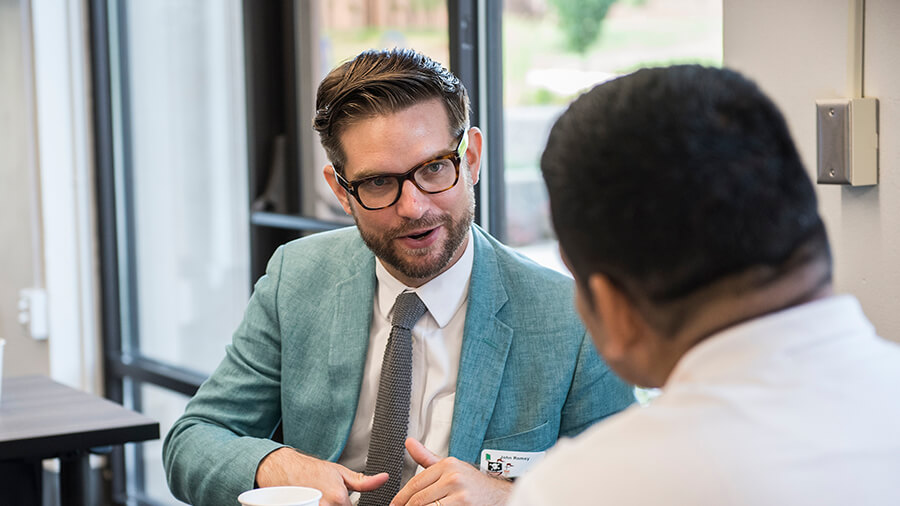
[386,447]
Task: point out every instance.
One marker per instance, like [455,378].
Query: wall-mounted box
[847,141]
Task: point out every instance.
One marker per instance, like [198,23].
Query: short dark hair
[379,82]
[669,179]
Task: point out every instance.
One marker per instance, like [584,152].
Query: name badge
[508,464]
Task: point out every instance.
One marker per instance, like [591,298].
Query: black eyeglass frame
[455,156]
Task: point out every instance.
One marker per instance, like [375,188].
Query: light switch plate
[847,141]
[33,312]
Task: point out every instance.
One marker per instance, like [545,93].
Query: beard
[429,264]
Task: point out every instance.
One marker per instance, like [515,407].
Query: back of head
[671,179]
[380,82]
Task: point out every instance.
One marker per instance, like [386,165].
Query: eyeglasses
[383,190]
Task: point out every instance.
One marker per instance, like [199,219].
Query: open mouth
[422,235]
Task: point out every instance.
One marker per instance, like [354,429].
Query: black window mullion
[105,188]
[107,221]
[493,107]
[269,84]
[478,60]
[161,374]
[464,60]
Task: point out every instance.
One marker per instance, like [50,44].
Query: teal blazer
[528,372]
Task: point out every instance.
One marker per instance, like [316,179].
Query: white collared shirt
[437,343]
[796,407]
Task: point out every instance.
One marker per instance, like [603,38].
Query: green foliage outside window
[581,21]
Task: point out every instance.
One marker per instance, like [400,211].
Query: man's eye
[435,168]
[377,183]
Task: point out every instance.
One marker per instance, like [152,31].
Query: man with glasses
[408,354]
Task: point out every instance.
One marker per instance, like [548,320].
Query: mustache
[425,222]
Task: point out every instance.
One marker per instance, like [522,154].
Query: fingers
[420,454]
[424,497]
[360,482]
[452,482]
[423,480]
[421,486]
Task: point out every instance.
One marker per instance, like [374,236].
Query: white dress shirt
[797,407]
[437,343]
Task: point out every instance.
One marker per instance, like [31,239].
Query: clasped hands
[447,481]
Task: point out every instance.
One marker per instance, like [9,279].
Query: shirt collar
[442,296]
[743,346]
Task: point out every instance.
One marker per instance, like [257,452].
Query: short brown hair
[379,82]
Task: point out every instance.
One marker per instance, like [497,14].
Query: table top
[41,418]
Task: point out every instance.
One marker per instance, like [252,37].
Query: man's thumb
[420,454]
[362,483]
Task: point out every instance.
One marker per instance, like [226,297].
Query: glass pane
[341,29]
[165,406]
[349,27]
[184,121]
[550,56]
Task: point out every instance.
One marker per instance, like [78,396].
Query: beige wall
[23,355]
[798,51]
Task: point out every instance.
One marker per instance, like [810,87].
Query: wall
[19,254]
[798,52]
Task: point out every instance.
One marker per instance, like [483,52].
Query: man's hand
[449,481]
[286,466]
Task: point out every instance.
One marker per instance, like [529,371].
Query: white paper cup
[281,496]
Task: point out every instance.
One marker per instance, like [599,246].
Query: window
[291,198]
[186,165]
[175,175]
[550,57]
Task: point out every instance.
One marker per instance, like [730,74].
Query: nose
[412,203]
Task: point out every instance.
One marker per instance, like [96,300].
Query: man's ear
[339,191]
[472,155]
[619,317]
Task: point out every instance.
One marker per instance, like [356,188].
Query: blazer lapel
[486,341]
[349,341]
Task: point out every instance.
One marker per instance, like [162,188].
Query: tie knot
[408,308]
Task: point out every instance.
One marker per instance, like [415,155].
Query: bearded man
[489,360]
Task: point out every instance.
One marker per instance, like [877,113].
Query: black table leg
[20,481]
[74,473]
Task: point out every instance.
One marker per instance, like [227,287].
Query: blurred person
[494,357]
[703,268]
